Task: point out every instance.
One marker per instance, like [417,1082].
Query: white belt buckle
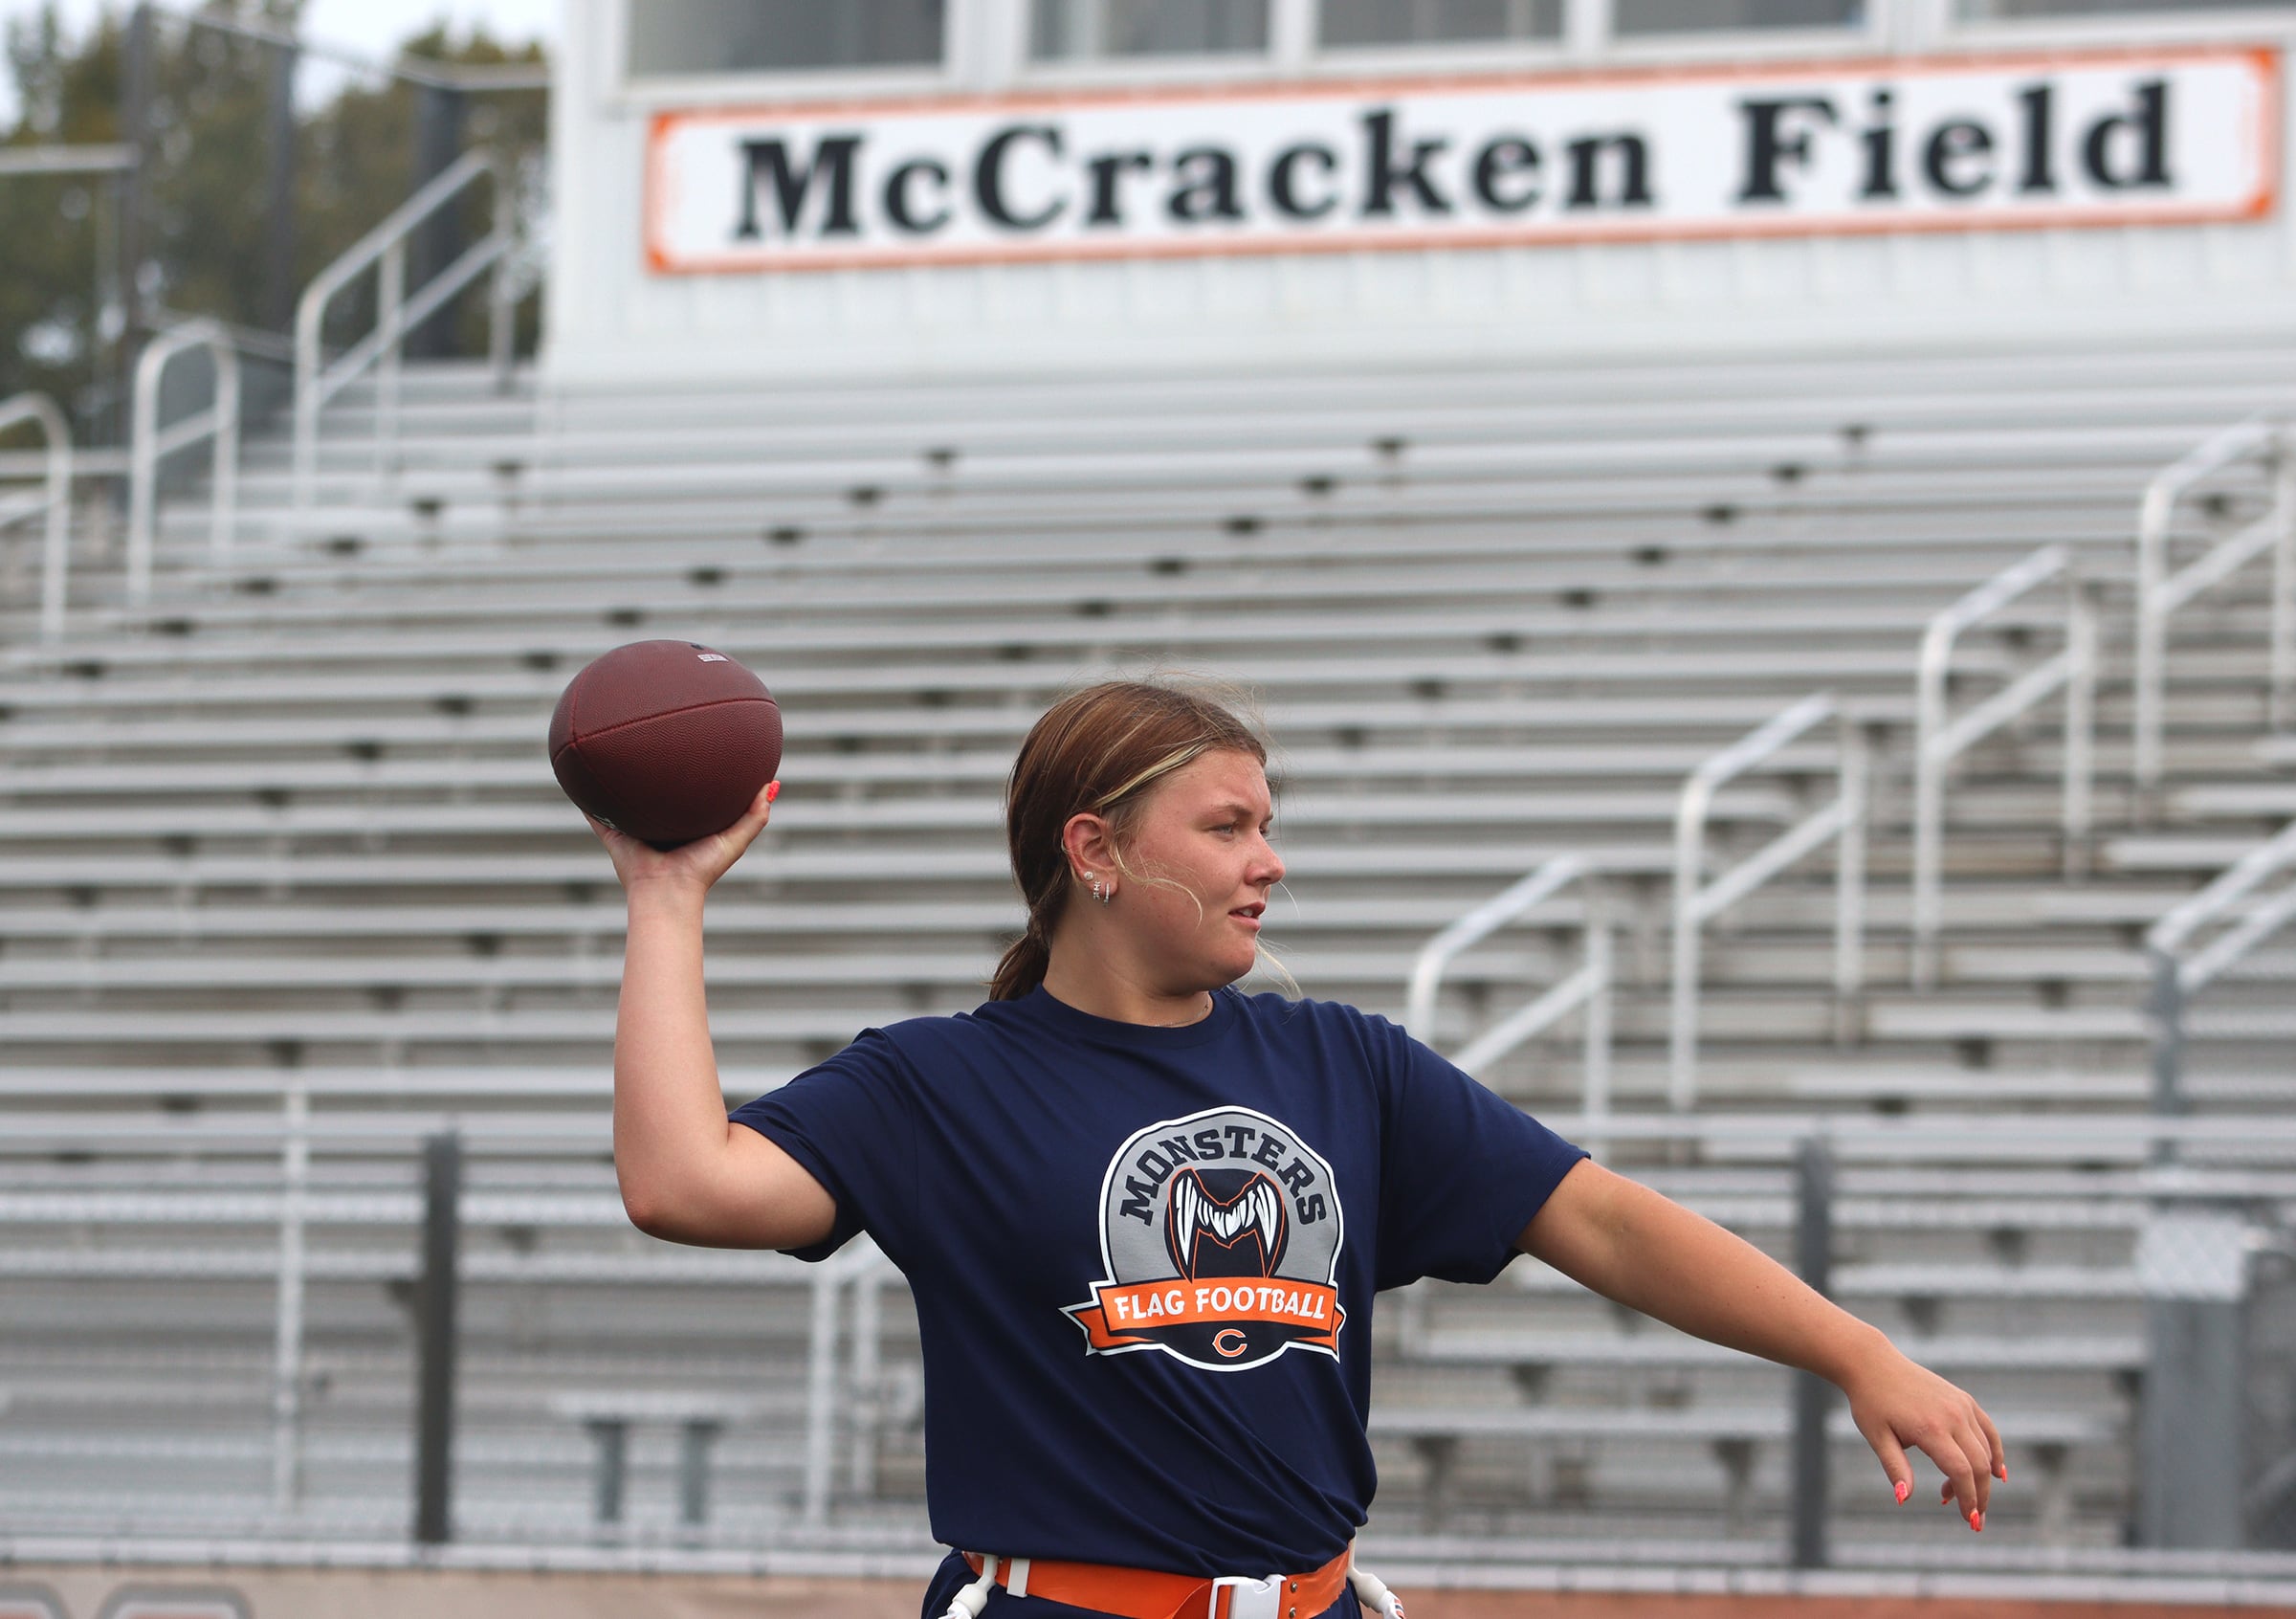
[1247,1598]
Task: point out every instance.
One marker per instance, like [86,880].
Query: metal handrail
[55,501]
[2160,593]
[148,445]
[2177,975]
[1589,987]
[1938,743]
[1844,819]
[397,313]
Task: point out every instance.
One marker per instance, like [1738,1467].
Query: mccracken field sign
[2155,135]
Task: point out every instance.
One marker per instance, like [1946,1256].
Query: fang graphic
[1224,1223]
[1220,1241]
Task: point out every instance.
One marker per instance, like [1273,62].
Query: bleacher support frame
[55,503]
[398,312]
[1588,987]
[2177,975]
[1696,902]
[1938,742]
[2160,593]
[148,445]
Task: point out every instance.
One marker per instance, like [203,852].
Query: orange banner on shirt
[1134,1314]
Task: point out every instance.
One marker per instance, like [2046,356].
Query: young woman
[1143,1214]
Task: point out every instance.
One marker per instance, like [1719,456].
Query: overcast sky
[371,26]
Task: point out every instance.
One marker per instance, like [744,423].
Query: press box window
[1433,22]
[1696,17]
[1083,30]
[714,36]
[1985,8]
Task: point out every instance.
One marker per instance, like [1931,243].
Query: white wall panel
[611,318]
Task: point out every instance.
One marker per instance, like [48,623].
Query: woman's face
[1203,831]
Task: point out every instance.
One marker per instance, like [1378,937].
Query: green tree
[208,158]
[55,231]
[358,157]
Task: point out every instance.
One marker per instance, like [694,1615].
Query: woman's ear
[1087,843]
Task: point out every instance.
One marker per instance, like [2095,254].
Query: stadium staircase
[289,830]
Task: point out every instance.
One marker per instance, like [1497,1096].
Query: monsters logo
[1220,1235]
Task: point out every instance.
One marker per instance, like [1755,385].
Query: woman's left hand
[1896,1403]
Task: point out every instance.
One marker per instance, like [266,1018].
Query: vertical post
[144,468]
[501,308]
[134,123]
[694,1471]
[278,194]
[56,542]
[2191,1265]
[820,1395]
[613,1434]
[434,1372]
[1291,33]
[2151,643]
[309,310]
[1586,27]
[1813,1395]
[1681,1040]
[1849,884]
[863,1377]
[391,297]
[223,466]
[2167,1017]
[287,1380]
[1598,963]
[440,116]
[1929,807]
[2280,702]
[2080,723]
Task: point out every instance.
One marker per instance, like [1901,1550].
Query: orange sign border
[2265,58]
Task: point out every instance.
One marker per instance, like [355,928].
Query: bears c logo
[1219,1234]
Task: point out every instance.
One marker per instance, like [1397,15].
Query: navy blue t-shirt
[1143,1258]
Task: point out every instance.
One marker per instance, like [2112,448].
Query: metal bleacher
[287,829]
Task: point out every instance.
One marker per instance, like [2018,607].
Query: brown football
[665,741]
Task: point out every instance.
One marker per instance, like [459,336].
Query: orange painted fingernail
[773,791]
[1976,1523]
[1903,1490]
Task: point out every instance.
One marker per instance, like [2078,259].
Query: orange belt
[1143,1593]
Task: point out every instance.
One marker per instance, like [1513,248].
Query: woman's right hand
[690,867]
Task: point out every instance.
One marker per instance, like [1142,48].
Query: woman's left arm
[1629,1243]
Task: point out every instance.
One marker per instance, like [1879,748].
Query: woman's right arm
[687,1172]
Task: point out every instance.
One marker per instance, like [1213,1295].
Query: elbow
[643,1215]
[651,1212]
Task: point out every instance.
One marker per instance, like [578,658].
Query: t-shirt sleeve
[1461,1170]
[851,1123]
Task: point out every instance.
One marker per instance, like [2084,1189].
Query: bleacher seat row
[286,828]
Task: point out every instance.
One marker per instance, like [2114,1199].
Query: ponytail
[1022,966]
